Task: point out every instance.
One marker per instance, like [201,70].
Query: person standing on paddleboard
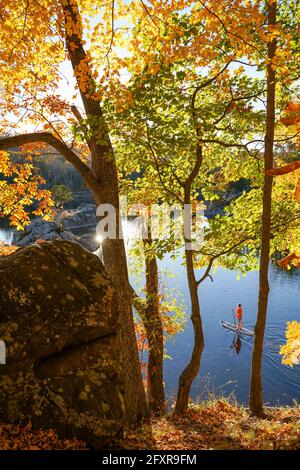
[239,316]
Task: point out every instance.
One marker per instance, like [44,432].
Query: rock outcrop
[59,321]
[71,223]
[83,216]
[38,229]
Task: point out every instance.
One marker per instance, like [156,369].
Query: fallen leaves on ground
[6,250]
[209,426]
[219,425]
[14,437]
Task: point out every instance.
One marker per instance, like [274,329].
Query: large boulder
[59,321]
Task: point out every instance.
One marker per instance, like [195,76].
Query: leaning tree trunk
[256,387]
[154,329]
[192,369]
[105,171]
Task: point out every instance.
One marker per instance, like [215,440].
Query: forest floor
[217,425]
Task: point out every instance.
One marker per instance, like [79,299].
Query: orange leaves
[72,19]
[291,118]
[154,68]
[33,148]
[83,75]
[292,114]
[5,164]
[285,169]
[19,189]
[292,259]
[293,166]
[55,104]
[15,437]
[73,46]
[6,250]
[293,107]
[27,29]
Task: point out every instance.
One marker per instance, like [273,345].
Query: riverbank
[219,425]
[214,425]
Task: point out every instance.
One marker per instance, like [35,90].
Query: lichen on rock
[60,324]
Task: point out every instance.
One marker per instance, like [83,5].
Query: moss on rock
[59,319]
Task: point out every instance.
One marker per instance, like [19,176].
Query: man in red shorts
[239,316]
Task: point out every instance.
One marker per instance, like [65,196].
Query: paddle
[233,317]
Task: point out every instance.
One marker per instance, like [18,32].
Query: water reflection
[236,343]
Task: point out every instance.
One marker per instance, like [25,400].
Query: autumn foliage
[292,114]
[57,53]
[20,187]
[14,437]
[218,425]
[291,350]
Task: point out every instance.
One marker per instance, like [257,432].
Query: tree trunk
[256,388]
[192,369]
[154,328]
[114,257]
[105,171]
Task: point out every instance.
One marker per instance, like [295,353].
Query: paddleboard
[232,327]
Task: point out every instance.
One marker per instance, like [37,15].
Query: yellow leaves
[273,32]
[293,167]
[19,192]
[6,250]
[292,114]
[297,190]
[4,163]
[83,75]
[291,350]
[239,70]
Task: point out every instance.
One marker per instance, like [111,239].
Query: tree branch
[61,147]
[233,100]
[137,302]
[218,255]
[204,85]
[157,167]
[285,169]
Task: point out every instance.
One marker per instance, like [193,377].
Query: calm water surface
[223,371]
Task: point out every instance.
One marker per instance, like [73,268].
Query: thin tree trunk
[192,369]
[256,387]
[114,255]
[154,328]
